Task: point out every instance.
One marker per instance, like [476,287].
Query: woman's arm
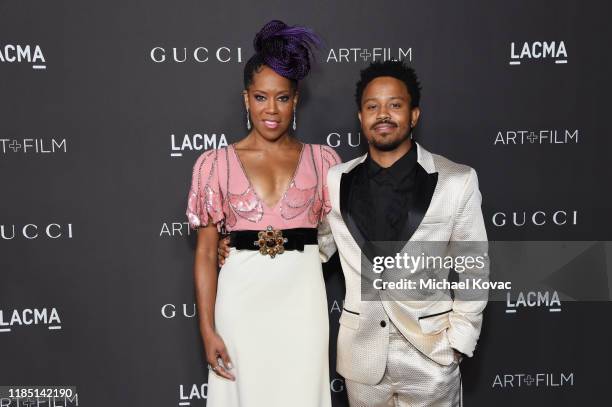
[205,278]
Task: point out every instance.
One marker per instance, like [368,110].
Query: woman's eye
[259,98]
[284,98]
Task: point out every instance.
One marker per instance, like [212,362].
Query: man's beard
[389,146]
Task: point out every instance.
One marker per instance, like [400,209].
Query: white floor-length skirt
[272,315]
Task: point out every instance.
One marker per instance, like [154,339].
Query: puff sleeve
[204,202]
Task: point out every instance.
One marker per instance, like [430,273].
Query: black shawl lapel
[346,180]
[425,185]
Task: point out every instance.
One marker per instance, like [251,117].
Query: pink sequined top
[221,191]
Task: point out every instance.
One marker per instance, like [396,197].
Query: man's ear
[414,116]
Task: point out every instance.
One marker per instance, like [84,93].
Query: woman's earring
[294,123]
[248,120]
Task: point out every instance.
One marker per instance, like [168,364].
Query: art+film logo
[33,146]
[536,137]
[175,229]
[358,54]
[524,380]
[336,306]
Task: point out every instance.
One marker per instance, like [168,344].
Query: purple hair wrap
[285,49]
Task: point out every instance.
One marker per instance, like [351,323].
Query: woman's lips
[271,124]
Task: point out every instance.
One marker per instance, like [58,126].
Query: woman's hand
[215,349]
[223,250]
[205,277]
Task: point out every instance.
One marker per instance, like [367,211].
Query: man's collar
[403,166]
[424,158]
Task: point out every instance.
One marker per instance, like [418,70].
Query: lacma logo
[16,53]
[538,50]
[196,142]
[192,393]
[30,316]
[533,299]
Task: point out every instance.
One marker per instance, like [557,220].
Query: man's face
[385,114]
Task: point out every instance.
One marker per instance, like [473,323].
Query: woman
[263,317]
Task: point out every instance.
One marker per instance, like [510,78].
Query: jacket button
[383,324]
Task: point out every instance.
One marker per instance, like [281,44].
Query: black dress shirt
[379,198]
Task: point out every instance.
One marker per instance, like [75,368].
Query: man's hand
[458,356]
[223,250]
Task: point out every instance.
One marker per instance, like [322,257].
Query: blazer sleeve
[469,238]
[327,246]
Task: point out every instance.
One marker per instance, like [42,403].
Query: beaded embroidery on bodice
[229,198]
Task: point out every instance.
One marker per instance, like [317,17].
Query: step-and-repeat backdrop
[105,106]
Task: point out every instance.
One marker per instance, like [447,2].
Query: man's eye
[370,107]
[259,98]
[396,105]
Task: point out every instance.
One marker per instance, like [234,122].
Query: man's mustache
[383,121]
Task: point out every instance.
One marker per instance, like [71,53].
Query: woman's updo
[286,50]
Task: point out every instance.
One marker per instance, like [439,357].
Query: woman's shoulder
[212,154]
[208,161]
[327,154]
[324,148]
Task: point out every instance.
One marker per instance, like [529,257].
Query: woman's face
[270,100]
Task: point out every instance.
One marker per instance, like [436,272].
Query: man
[394,352]
[401,351]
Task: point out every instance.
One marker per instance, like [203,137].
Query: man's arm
[469,238]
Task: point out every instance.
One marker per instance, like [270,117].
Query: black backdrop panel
[105,107]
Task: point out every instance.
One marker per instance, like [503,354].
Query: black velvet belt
[273,241]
